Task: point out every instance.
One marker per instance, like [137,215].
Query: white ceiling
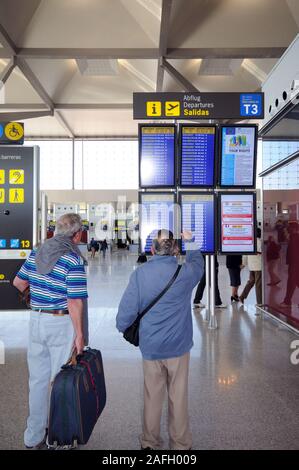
[46,37]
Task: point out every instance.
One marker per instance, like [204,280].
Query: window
[106,164]
[56,163]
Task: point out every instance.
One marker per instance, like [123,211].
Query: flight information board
[238,221]
[157,211]
[198,216]
[157,156]
[238,156]
[197,162]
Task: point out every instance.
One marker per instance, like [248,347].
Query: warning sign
[16,196]
[153,108]
[2,176]
[16,176]
[172,108]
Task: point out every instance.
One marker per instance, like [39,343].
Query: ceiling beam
[226,53]
[20,116]
[163,41]
[7,42]
[88,53]
[147,53]
[93,106]
[67,106]
[5,74]
[64,124]
[35,83]
[178,77]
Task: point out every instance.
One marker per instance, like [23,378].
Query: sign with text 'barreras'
[198,106]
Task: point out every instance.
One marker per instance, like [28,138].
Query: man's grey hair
[165,244]
[68,225]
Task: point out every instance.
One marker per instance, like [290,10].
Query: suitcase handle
[75,358]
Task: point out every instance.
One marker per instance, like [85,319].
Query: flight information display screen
[198,216]
[157,211]
[197,156]
[238,156]
[157,156]
[238,222]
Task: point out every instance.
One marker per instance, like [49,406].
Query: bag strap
[153,302]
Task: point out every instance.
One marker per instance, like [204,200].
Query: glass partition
[281,243]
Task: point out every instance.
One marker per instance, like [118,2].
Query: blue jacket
[166,330]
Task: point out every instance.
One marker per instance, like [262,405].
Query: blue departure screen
[198,154]
[198,215]
[237,156]
[157,156]
[157,212]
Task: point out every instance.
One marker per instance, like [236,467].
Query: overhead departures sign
[198,105]
[11,133]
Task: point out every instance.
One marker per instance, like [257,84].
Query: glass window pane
[106,165]
[56,163]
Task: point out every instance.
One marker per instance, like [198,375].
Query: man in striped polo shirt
[56,277]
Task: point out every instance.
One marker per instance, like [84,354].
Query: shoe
[221,306]
[258,305]
[200,305]
[42,445]
[146,448]
[273,283]
[234,298]
[241,299]
[283,304]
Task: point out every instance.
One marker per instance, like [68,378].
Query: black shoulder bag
[132,332]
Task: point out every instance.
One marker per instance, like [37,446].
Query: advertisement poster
[237,223]
[238,155]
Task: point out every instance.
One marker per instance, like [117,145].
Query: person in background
[254,263]
[165,336]
[234,266]
[201,288]
[272,256]
[94,246]
[104,247]
[56,277]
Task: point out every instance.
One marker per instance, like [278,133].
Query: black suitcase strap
[153,302]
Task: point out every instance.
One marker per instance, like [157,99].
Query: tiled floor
[244,391]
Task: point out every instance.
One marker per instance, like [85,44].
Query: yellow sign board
[2,176]
[172,108]
[153,108]
[2,196]
[16,176]
[14,131]
[16,196]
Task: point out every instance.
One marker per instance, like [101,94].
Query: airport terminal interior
[141,115]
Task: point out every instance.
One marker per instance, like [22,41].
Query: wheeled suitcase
[78,397]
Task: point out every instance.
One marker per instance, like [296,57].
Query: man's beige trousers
[170,374]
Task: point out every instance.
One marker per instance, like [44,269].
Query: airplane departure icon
[172,108]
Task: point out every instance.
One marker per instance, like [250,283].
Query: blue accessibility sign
[251,104]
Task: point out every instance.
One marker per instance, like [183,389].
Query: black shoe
[234,298]
[146,448]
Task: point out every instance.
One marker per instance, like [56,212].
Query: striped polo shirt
[67,280]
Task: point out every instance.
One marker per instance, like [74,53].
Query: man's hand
[79,344]
[187,236]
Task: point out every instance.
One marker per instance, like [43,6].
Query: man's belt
[60,312]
